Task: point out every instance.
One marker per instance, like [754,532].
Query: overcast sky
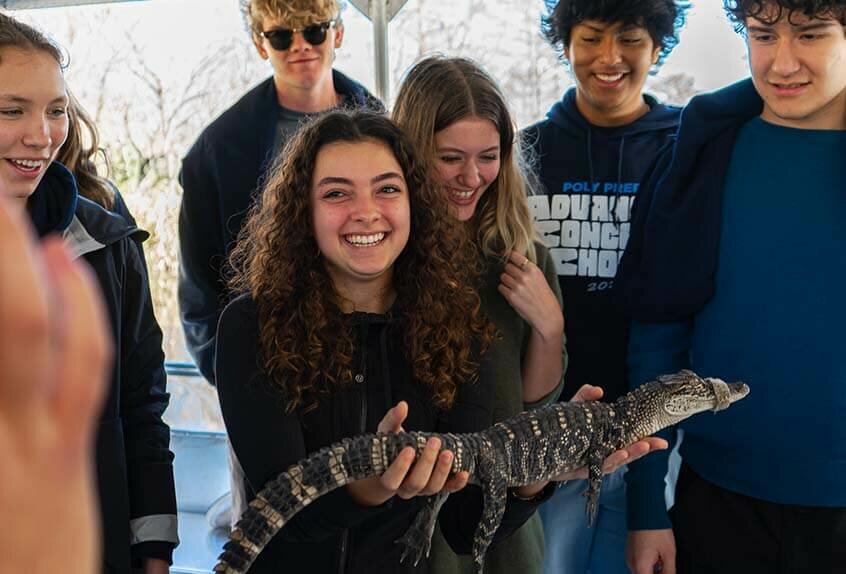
[710,50]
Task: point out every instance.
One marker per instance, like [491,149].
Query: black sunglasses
[282,38]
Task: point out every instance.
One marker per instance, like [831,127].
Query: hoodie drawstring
[590,172]
[386,373]
[618,194]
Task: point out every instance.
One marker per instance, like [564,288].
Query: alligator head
[673,398]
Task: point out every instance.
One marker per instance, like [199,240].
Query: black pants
[721,532]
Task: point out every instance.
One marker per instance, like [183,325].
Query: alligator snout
[727,393]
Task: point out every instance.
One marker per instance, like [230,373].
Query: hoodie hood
[57,207]
[566,115]
[601,159]
[606,149]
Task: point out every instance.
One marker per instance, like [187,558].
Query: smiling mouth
[610,78]
[28,166]
[462,197]
[789,87]
[365,240]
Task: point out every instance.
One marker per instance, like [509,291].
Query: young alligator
[530,447]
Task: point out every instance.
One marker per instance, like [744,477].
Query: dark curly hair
[307,342]
[663,19]
[771,11]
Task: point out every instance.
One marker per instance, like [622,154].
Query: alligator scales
[530,447]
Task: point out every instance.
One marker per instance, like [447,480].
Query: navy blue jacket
[588,172]
[668,282]
[134,462]
[667,271]
[219,177]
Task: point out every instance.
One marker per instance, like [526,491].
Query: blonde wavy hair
[290,13]
[439,91]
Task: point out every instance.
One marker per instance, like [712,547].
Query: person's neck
[317,98]
[830,118]
[612,119]
[17,205]
[366,297]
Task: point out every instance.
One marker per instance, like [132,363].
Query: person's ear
[258,42]
[339,35]
[655,54]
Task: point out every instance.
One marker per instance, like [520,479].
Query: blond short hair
[288,13]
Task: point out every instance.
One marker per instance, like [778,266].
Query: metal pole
[380,13]
[379,17]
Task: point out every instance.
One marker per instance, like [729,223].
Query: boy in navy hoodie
[592,151]
[735,267]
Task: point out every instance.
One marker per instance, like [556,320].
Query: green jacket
[522,552]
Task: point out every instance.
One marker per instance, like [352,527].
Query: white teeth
[27,163]
[365,239]
[610,78]
[462,194]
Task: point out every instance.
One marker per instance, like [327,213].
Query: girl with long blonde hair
[458,117]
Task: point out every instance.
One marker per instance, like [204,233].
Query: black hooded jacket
[219,177]
[590,176]
[335,535]
[134,462]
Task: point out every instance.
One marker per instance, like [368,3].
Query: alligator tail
[283,497]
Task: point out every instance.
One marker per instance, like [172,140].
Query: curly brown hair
[663,19]
[771,11]
[307,342]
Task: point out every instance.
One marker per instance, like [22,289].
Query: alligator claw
[414,548]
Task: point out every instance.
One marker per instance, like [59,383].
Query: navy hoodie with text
[590,176]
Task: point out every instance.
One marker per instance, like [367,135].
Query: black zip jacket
[334,534]
[134,462]
[219,177]
[589,173]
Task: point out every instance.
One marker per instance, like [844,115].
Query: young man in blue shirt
[735,268]
[593,149]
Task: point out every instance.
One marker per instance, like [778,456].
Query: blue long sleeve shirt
[775,321]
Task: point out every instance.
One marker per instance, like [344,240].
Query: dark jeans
[722,532]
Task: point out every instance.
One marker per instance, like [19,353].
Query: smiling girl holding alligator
[356,295]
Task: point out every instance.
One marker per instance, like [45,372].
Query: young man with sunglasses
[223,169]
[593,148]
[735,267]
